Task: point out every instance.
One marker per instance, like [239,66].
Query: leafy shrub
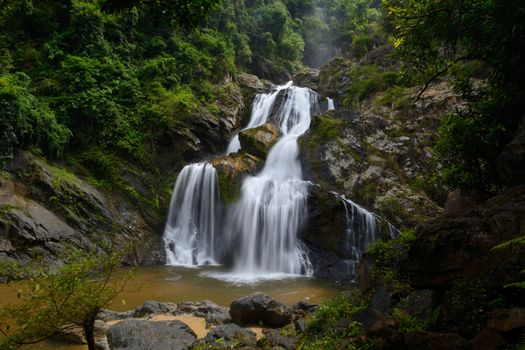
[25,121]
[320,334]
[388,260]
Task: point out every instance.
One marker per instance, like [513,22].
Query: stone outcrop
[260,308]
[141,334]
[257,141]
[229,335]
[50,210]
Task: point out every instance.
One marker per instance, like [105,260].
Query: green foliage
[471,40]
[408,323]
[320,333]
[369,79]
[388,259]
[54,299]
[25,121]
[187,13]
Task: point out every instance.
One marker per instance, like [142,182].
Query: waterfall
[261,108]
[191,230]
[331,105]
[361,230]
[264,223]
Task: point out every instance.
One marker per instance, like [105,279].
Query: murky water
[177,284]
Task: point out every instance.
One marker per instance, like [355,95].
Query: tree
[55,299]
[187,13]
[479,43]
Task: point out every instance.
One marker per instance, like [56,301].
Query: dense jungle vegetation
[92,79]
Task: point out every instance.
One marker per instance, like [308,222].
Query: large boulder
[151,307]
[258,141]
[230,335]
[231,171]
[141,334]
[213,313]
[276,339]
[260,308]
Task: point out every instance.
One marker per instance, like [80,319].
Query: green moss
[325,128]
[229,190]
[395,97]
[6,208]
[366,193]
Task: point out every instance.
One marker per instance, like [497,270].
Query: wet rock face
[141,334]
[374,159]
[52,210]
[257,308]
[258,141]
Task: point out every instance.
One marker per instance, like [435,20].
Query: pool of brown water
[178,284]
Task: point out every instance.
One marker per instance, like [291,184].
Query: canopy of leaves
[481,43]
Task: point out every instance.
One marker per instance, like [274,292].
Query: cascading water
[361,231]
[191,230]
[331,105]
[261,108]
[265,222]
[261,228]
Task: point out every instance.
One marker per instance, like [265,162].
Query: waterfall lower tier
[361,230]
[191,231]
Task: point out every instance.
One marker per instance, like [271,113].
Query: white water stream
[265,222]
[191,230]
[260,230]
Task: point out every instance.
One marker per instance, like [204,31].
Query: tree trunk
[89,328]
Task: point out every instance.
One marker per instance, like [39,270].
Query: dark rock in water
[274,338]
[421,340]
[305,307]
[110,315]
[154,307]
[373,323]
[230,335]
[512,161]
[141,334]
[213,313]
[257,308]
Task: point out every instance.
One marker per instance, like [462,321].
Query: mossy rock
[231,170]
[258,141]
